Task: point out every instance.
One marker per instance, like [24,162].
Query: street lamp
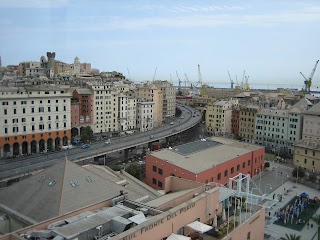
[287,176]
[298,172]
[265,188]
[259,170]
[251,192]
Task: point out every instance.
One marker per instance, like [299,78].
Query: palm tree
[291,237]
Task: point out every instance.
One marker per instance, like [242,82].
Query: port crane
[232,82]
[202,86]
[154,75]
[308,81]
[179,88]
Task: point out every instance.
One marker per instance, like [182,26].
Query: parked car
[76,142]
[85,146]
[107,142]
[171,123]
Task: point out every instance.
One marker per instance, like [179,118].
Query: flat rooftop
[200,155]
[197,146]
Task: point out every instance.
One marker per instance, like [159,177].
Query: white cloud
[196,19]
[35,3]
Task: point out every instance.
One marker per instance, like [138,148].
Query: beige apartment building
[247,121]
[169,98]
[145,115]
[311,123]
[34,119]
[218,118]
[148,92]
[307,154]
[105,110]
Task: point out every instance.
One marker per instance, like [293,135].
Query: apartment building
[307,154]
[169,98]
[247,119]
[81,110]
[105,107]
[272,129]
[218,117]
[34,119]
[235,122]
[311,123]
[126,111]
[148,92]
[145,115]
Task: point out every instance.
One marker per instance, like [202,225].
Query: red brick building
[235,123]
[214,160]
[81,109]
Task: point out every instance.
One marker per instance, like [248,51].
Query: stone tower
[50,67]
[76,66]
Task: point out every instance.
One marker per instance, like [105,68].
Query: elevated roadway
[25,165]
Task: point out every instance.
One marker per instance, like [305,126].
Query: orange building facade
[202,166]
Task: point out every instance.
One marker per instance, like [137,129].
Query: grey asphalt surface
[22,165]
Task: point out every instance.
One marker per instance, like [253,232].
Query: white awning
[199,227]
[177,237]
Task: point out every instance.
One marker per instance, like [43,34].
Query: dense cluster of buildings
[53,101]
[67,201]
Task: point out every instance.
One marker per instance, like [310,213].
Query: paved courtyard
[273,183]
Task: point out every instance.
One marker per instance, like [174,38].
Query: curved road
[26,165]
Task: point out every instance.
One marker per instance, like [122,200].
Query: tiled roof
[59,189]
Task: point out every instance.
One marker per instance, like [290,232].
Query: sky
[272,40]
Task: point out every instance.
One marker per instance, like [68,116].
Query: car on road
[171,123]
[182,117]
[107,142]
[84,146]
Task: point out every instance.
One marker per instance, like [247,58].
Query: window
[226,173]
[23,119]
[49,109]
[57,109]
[312,163]
[159,184]
[41,109]
[5,121]
[243,165]
[5,130]
[249,236]
[33,128]
[219,176]
[249,162]
[64,108]
[64,125]
[154,168]
[14,111]
[24,128]
[238,168]
[305,160]
[5,111]
[154,181]
[23,110]
[160,171]
[32,110]
[313,153]
[232,170]
[32,119]
[305,151]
